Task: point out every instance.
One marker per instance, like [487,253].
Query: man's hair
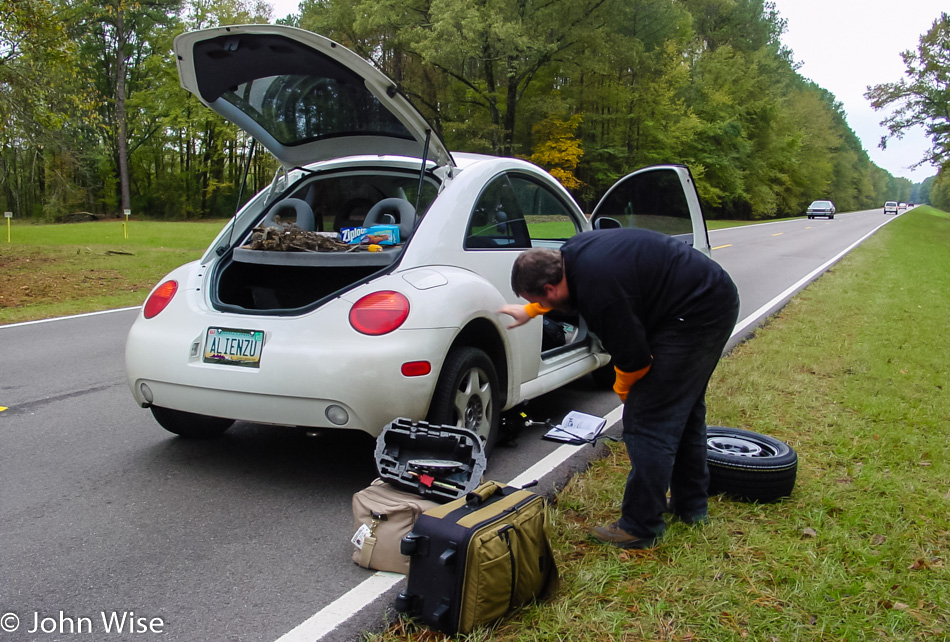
[535,268]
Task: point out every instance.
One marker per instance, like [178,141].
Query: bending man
[663,311]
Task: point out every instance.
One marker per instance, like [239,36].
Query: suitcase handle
[483,493]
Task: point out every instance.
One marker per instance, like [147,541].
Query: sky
[845,46]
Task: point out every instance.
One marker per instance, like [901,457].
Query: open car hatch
[302,96]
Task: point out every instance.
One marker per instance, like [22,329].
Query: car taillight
[160,298]
[379,312]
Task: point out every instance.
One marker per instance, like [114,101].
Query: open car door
[661,198]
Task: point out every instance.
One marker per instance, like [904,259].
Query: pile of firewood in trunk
[290,238]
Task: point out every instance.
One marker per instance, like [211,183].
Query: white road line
[342,608]
[559,456]
[72,316]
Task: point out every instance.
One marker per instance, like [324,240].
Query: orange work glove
[535,309]
[625,381]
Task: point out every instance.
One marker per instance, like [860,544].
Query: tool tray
[438,462]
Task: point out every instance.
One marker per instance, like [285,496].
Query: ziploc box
[378,234]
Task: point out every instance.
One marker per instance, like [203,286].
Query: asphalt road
[105,516]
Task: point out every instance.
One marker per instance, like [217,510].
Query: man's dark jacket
[630,285]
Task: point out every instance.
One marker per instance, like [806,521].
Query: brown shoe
[616,536]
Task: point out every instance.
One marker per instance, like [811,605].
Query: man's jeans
[664,427]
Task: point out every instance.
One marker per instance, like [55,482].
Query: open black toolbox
[438,462]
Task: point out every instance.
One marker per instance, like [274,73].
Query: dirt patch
[33,279]
[80,217]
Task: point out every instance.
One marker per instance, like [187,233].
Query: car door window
[497,221]
[653,200]
[516,211]
[548,219]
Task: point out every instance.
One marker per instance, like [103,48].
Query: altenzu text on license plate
[234,347]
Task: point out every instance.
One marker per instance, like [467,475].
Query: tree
[940,190]
[484,57]
[923,97]
[558,149]
[118,35]
[92,116]
[40,98]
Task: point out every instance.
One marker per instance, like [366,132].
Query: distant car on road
[890,207]
[821,208]
[902,206]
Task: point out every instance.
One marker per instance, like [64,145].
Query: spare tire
[748,465]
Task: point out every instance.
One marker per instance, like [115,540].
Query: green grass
[55,270]
[191,236]
[853,374]
[58,270]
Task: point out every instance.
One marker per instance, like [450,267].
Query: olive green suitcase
[474,559]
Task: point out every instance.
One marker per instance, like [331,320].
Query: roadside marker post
[125,225]
[9,217]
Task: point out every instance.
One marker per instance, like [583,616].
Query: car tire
[190,425]
[467,395]
[748,465]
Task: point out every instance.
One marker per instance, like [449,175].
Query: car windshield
[820,204]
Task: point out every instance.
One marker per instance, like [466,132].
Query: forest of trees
[92,118]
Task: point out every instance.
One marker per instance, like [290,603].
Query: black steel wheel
[467,395]
[190,425]
[748,465]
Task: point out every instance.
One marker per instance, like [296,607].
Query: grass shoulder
[852,374]
[57,270]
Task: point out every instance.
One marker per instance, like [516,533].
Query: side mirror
[606,223]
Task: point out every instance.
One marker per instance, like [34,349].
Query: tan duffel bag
[382,516]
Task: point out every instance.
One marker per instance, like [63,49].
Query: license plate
[232,347]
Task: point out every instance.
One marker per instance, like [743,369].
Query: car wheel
[748,465]
[190,425]
[831,218]
[466,395]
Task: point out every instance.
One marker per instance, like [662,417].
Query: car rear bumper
[299,379]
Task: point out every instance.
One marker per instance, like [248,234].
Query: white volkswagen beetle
[353,339]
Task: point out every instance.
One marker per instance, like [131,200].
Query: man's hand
[517,312]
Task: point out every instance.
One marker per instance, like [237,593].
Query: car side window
[497,221]
[547,217]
